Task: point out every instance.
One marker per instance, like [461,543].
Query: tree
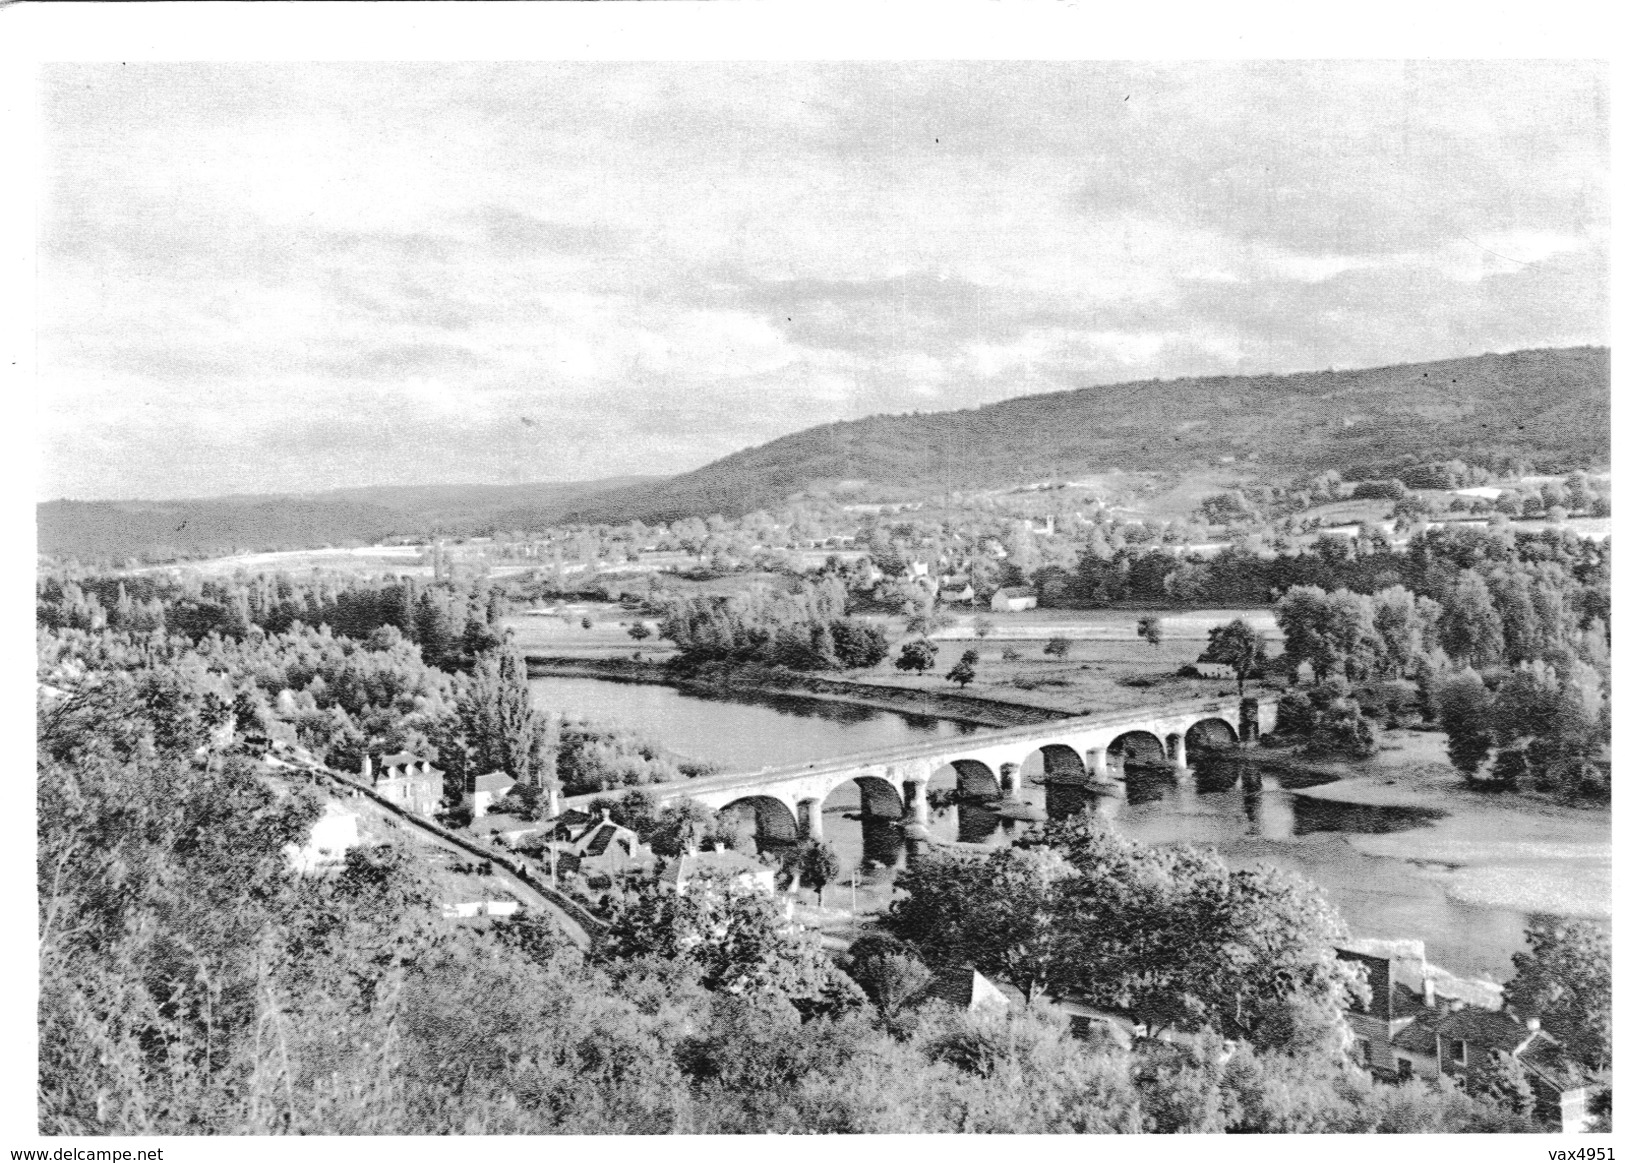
[1021,924]
[1470,628]
[889,973]
[736,939]
[1467,714]
[1150,628]
[1500,1080]
[918,656]
[926,619]
[500,727]
[859,643]
[1058,647]
[638,631]
[820,865]
[964,671]
[1406,627]
[982,625]
[1236,645]
[1565,980]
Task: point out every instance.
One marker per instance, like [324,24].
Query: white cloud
[271,251]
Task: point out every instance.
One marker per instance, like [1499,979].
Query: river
[1384,886]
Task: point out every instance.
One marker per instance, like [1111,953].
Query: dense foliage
[192,984]
[805,628]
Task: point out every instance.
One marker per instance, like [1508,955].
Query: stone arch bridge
[789,801]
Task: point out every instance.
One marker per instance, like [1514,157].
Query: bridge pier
[1094,763]
[915,808]
[810,815]
[1176,755]
[1010,779]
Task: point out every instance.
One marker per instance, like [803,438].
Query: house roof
[599,841]
[1407,1002]
[494,781]
[963,987]
[1017,592]
[1486,1029]
[1547,1059]
[400,759]
[502,823]
[1419,1037]
[573,817]
[568,862]
[724,865]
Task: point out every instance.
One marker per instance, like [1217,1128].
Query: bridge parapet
[1088,735]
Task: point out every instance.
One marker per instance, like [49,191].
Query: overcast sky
[289,278]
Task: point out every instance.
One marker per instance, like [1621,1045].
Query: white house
[724,867]
[487,790]
[1013,598]
[333,835]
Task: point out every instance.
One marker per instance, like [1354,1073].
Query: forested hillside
[1550,406]
[1546,409]
[166,530]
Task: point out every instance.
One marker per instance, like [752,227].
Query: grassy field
[1107,667]
[1107,625]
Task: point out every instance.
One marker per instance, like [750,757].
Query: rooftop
[1488,1029]
[725,864]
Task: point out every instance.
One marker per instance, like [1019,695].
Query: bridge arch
[1055,761]
[878,797]
[773,819]
[971,777]
[1137,746]
[1212,734]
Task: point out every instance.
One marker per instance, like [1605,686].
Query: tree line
[191,983]
[805,627]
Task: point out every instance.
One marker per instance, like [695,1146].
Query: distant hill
[1549,405]
[164,530]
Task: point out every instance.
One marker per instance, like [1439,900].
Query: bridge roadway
[789,800]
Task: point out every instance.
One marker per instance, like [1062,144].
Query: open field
[1107,625]
[1106,656]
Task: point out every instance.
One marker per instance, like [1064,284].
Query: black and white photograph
[726,597]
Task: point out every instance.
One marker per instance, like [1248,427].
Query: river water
[1381,896]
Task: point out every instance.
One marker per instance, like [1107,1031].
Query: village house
[957,589]
[509,831]
[333,834]
[723,866]
[1012,598]
[965,989]
[1418,1031]
[611,850]
[407,780]
[487,790]
[570,826]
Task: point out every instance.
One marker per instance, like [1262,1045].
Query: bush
[1344,731]
[1295,715]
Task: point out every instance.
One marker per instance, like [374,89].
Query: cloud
[399,360]
[250,272]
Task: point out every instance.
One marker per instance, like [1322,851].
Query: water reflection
[741,732]
[1316,815]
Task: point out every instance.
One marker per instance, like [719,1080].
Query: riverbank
[1486,848]
[955,707]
